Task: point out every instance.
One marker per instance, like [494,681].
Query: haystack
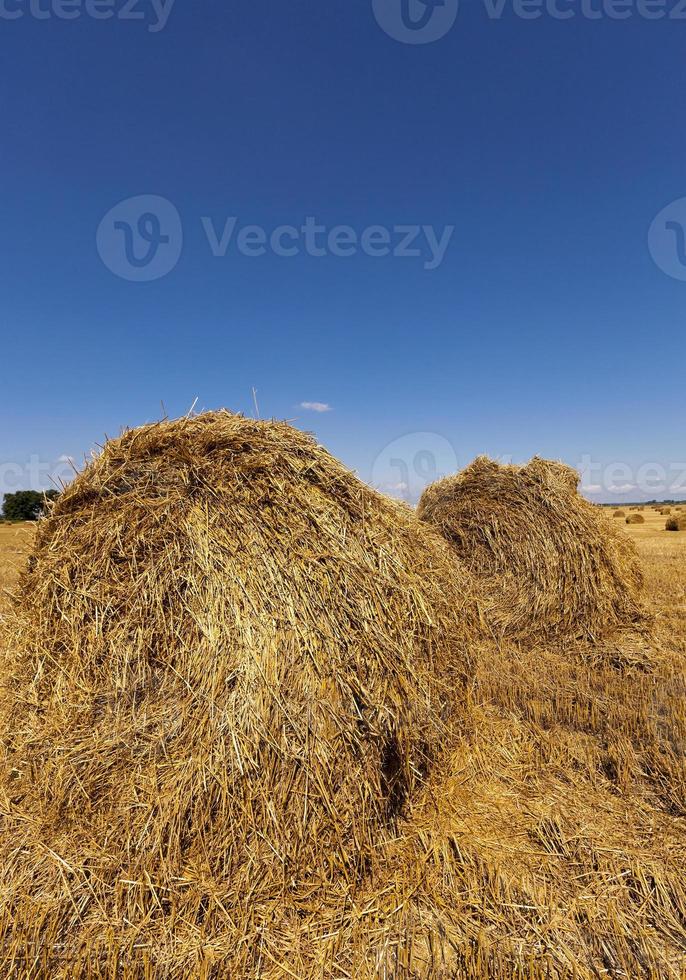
[549,562]
[230,666]
[635,519]
[676,523]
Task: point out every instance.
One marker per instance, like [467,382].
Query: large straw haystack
[549,562]
[230,666]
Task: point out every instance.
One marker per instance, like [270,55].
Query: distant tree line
[642,503]
[26,505]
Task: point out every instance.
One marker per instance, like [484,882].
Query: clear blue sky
[550,146]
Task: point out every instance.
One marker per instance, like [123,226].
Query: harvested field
[548,562]
[16,542]
[545,837]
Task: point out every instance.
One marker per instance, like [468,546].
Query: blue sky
[549,145]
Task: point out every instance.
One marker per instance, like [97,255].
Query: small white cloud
[593,488]
[65,459]
[394,486]
[623,487]
[315,406]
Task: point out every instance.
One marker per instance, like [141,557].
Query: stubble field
[15,546]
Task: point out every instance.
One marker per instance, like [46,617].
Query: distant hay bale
[635,519]
[230,665]
[619,513]
[549,563]
[676,523]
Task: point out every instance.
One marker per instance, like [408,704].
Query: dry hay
[549,563]
[635,519]
[230,666]
[619,513]
[557,826]
[676,523]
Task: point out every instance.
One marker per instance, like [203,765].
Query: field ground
[664,556]
[15,545]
